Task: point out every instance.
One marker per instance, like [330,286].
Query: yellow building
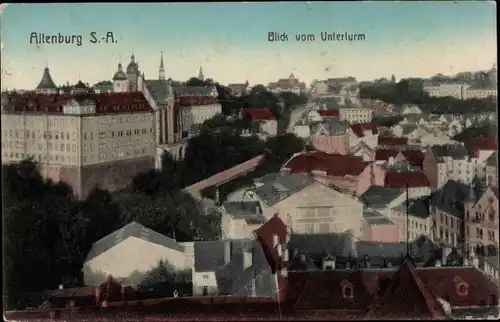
[84,139]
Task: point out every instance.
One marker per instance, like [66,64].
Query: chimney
[254,289]
[247,258]
[329,263]
[227,251]
[97,294]
[444,254]
[285,255]
[475,261]
[61,286]
[438,263]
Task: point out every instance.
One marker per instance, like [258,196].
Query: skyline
[230,40]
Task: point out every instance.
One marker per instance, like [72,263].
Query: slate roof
[232,277]
[132,229]
[103,88]
[418,207]
[450,198]
[159,89]
[193,90]
[270,177]
[454,151]
[395,252]
[332,127]
[412,179]
[248,210]
[408,128]
[315,247]
[492,160]
[375,218]
[46,82]
[380,197]
[283,187]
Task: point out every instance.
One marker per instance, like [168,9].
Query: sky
[230,40]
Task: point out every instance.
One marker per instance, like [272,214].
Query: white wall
[133,255]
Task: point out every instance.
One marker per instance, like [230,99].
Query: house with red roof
[356,293]
[394,175]
[413,157]
[483,147]
[362,150]
[363,132]
[340,171]
[330,136]
[262,119]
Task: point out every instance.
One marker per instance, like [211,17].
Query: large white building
[131,252]
[305,205]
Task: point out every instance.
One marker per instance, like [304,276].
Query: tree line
[411,92]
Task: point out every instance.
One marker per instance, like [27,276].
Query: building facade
[481,220]
[86,140]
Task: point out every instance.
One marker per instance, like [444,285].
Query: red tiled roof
[257,114]
[328,113]
[86,291]
[196,100]
[414,157]
[359,129]
[316,290]
[443,282]
[106,103]
[414,179]
[334,164]
[407,297]
[484,143]
[388,140]
[265,233]
[385,154]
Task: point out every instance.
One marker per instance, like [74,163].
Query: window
[491,214]
[85,159]
[324,227]
[103,156]
[462,289]
[308,212]
[309,228]
[102,135]
[205,276]
[347,291]
[491,235]
[479,233]
[205,290]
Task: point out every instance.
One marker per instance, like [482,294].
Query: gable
[317,195]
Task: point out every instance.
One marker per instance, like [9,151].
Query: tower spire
[200,74]
[162,68]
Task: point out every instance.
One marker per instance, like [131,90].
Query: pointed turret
[162,68]
[46,84]
[132,67]
[200,75]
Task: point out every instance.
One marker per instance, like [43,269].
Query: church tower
[200,75]
[162,68]
[120,80]
[133,73]
[46,85]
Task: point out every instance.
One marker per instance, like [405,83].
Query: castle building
[158,93]
[86,140]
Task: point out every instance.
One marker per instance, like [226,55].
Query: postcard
[250,161]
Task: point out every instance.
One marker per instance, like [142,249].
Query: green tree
[195,82]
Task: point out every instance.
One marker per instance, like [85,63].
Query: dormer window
[461,287]
[347,289]
[275,240]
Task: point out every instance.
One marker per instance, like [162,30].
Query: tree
[388,121]
[164,280]
[195,82]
